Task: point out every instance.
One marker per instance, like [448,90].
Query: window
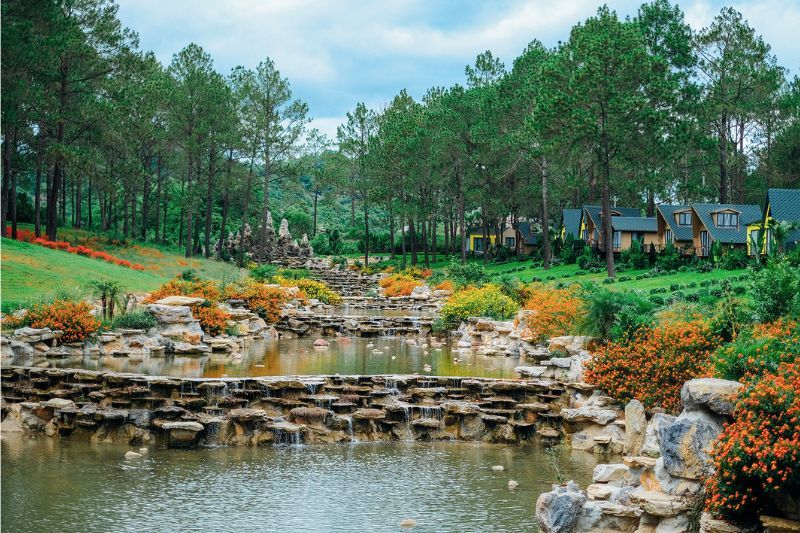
[704,243]
[754,242]
[685,218]
[478,244]
[727,220]
[668,236]
[584,234]
[617,239]
[510,241]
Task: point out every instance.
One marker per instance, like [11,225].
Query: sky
[337,53]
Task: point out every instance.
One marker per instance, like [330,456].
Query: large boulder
[651,446]
[716,395]
[423,292]
[589,414]
[180,300]
[635,427]
[685,445]
[557,511]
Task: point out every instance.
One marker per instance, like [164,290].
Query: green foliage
[465,274]
[487,301]
[757,351]
[775,291]
[588,259]
[733,259]
[136,320]
[614,315]
[263,272]
[569,253]
[635,256]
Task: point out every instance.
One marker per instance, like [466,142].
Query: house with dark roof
[571,223]
[591,224]
[525,234]
[629,229]
[723,223]
[781,206]
[675,227]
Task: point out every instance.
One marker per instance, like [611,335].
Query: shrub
[613,315]
[757,456]
[669,259]
[318,290]
[182,287]
[487,301]
[653,364]
[635,256]
[733,259]
[445,285]
[569,253]
[554,312]
[136,320]
[264,300]
[399,285]
[73,318]
[774,291]
[263,272]
[758,351]
[588,259]
[466,274]
[213,320]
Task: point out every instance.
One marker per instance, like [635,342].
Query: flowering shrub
[445,285]
[182,287]
[653,364]
[759,351]
[316,289]
[757,457]
[213,320]
[73,318]
[555,312]
[27,236]
[399,284]
[487,301]
[262,299]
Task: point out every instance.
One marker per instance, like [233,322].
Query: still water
[49,486]
[299,357]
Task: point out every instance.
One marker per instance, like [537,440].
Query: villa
[782,205]
[723,223]
[675,227]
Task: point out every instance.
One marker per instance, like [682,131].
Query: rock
[321,343]
[180,300]
[589,414]
[557,511]
[422,292]
[144,451]
[408,523]
[651,446]
[182,434]
[717,395]
[709,524]
[59,403]
[498,468]
[635,427]
[685,445]
[674,524]
[600,491]
[132,455]
[368,414]
[658,503]
[613,474]
[607,517]
[512,484]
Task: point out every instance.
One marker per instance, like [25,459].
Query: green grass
[31,272]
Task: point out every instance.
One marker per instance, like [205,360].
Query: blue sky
[339,52]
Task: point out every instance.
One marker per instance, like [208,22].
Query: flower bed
[555,312]
[73,318]
[487,301]
[28,236]
[399,284]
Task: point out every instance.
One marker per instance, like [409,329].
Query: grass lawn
[30,271]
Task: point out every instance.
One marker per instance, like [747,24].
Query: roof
[640,224]
[526,233]
[681,233]
[785,207]
[595,210]
[571,220]
[734,235]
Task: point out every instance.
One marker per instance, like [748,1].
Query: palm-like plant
[109,293]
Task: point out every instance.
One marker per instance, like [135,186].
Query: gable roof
[526,233]
[571,221]
[727,236]
[595,210]
[639,224]
[784,206]
[681,233]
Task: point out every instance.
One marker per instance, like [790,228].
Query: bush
[669,259]
[774,291]
[445,285]
[318,290]
[757,457]
[399,285]
[569,253]
[182,287]
[555,312]
[213,320]
[653,364]
[487,301]
[635,256]
[263,272]
[466,274]
[733,259]
[136,320]
[588,259]
[73,318]
[264,300]
[758,351]
[613,315]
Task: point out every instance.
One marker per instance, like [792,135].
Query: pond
[299,357]
[75,486]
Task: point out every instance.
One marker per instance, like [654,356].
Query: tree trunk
[424,225]
[145,201]
[545,217]
[13,203]
[6,180]
[366,233]
[264,211]
[77,211]
[413,232]
[391,232]
[189,209]
[316,199]
[433,238]
[209,202]
[608,230]
[403,241]
[37,186]
[462,222]
[157,217]
[723,162]
[221,242]
[246,206]
[651,203]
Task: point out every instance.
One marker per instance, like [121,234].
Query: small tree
[109,293]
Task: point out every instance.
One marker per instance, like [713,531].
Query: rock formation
[265,246]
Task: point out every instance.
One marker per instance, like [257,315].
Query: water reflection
[384,355]
[76,486]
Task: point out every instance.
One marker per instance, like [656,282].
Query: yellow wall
[473,236]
